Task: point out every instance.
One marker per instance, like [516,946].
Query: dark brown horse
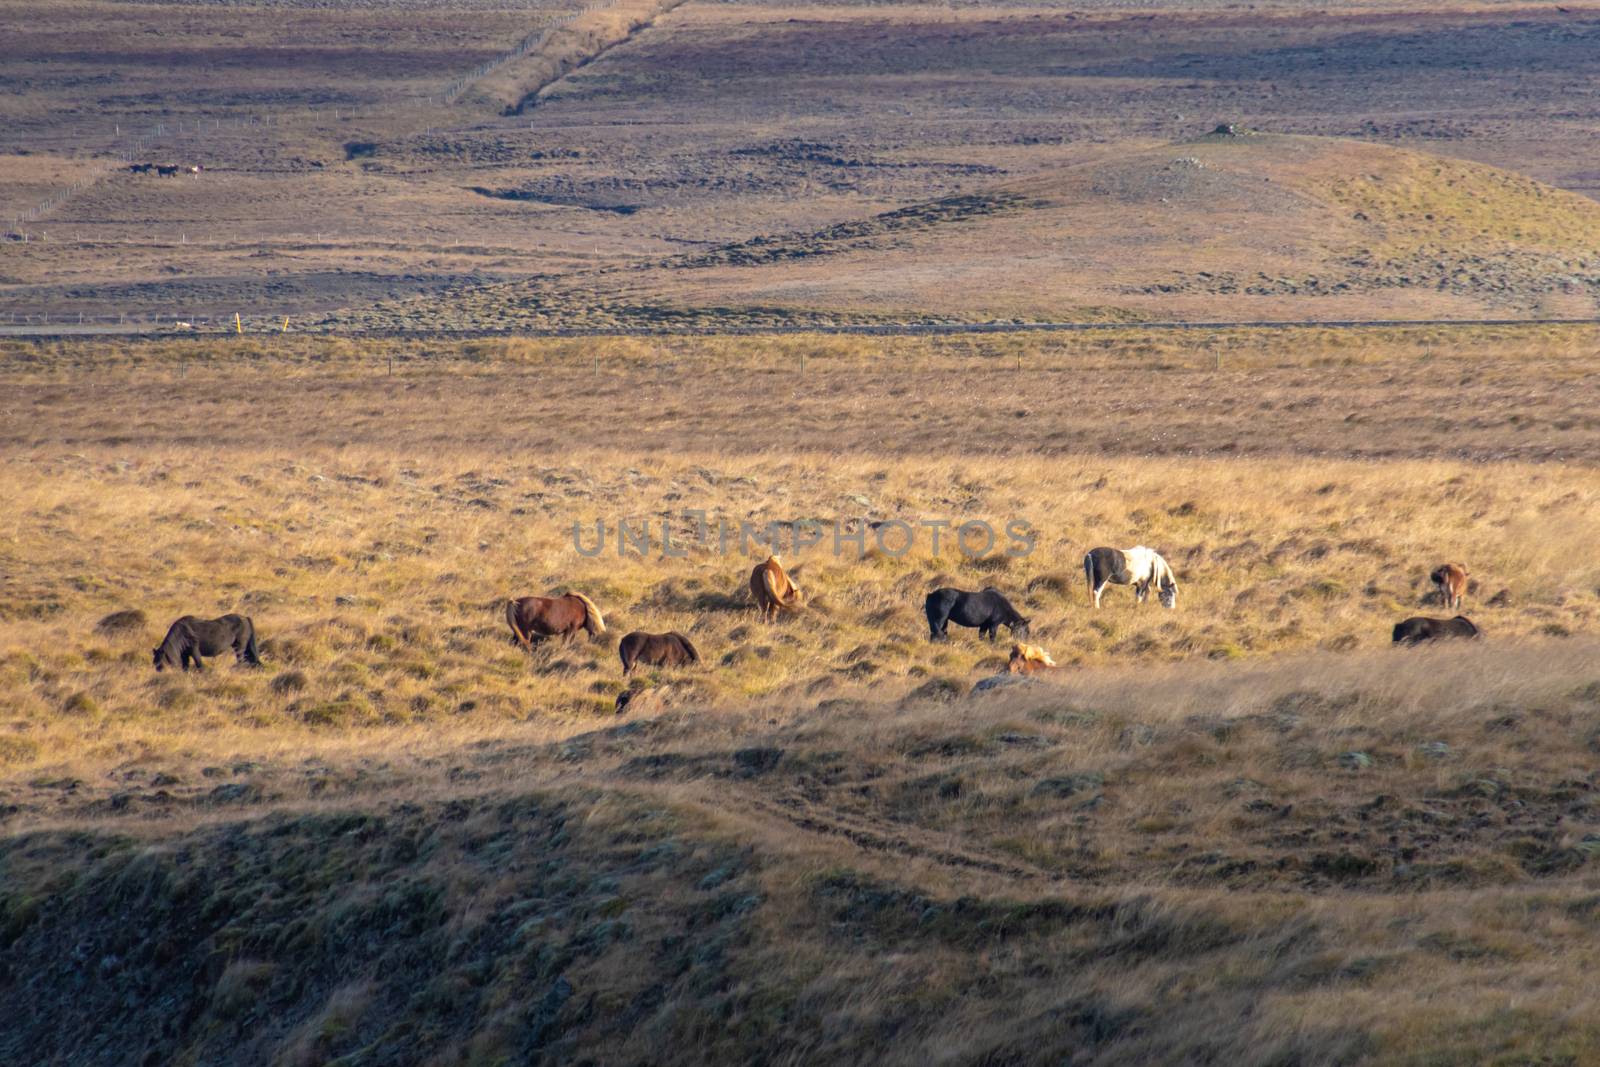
[537,617]
[190,638]
[1420,628]
[656,650]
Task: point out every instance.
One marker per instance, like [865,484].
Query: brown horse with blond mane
[534,618]
[772,589]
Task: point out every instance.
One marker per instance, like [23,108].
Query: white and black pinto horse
[1139,567]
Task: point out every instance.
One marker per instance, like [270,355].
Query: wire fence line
[44,326]
[128,152]
[529,44]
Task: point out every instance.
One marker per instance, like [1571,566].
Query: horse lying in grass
[656,650]
[1029,659]
[1418,628]
[1139,567]
[534,618]
[987,609]
[190,638]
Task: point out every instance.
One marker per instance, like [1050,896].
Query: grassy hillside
[1330,860]
[1227,226]
[1246,829]
[752,162]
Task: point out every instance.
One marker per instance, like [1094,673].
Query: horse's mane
[1031,654]
[593,612]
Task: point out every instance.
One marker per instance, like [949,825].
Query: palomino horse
[190,638]
[772,589]
[987,609]
[670,649]
[1139,567]
[1029,659]
[537,617]
[1451,581]
[1420,628]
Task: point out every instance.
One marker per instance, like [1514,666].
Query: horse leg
[1099,589]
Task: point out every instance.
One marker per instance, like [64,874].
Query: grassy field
[1243,829]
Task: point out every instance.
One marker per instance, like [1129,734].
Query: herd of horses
[164,170]
[773,592]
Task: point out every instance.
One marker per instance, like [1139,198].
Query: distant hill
[1225,226]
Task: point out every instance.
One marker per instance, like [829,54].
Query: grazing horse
[1139,567]
[1451,581]
[1418,628]
[656,650]
[167,170]
[988,610]
[141,168]
[1029,659]
[538,617]
[190,638]
[773,590]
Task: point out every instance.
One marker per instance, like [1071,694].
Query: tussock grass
[377,582]
[404,835]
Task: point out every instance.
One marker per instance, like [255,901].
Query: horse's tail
[593,621]
[769,580]
[511,617]
[1088,572]
[252,654]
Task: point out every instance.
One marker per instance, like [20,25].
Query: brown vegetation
[767,164]
[405,835]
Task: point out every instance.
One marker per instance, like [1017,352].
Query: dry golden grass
[377,580]
[1245,829]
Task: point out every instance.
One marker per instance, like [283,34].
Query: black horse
[1419,628]
[190,638]
[988,611]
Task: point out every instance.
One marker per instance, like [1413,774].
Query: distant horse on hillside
[537,617]
[1139,567]
[141,168]
[1418,628]
[190,638]
[167,170]
[670,649]
[1451,581]
[773,590]
[988,610]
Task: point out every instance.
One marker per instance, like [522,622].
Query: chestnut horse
[773,590]
[537,617]
[1451,581]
